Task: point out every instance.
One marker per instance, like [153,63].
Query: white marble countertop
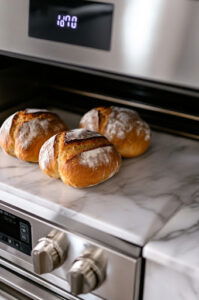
[177,244]
[133,205]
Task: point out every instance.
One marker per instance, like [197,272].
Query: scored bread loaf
[79,157]
[23,133]
[121,126]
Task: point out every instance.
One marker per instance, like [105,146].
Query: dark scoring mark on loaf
[13,130]
[100,119]
[80,134]
[70,146]
[80,141]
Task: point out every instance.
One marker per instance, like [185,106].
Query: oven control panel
[78,263]
[15,232]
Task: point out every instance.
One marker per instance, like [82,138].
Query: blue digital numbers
[67,21]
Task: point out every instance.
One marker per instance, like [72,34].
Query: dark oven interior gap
[165,108]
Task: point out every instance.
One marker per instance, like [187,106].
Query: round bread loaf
[79,157]
[121,126]
[23,133]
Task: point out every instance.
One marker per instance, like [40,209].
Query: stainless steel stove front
[156,40]
[62,260]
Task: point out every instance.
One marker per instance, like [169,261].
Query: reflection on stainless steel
[139,30]
[156,40]
[161,40]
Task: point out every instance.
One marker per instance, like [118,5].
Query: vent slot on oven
[166,108]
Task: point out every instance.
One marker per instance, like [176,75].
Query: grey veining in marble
[177,244]
[134,204]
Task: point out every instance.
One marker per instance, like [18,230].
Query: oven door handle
[14,287]
[7,293]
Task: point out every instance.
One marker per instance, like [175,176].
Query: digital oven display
[78,22]
[15,232]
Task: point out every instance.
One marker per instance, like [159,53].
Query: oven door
[16,287]
[18,284]
[7,293]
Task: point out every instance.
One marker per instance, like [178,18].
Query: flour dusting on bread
[31,130]
[47,152]
[35,110]
[80,134]
[91,120]
[142,128]
[120,122]
[23,133]
[96,157]
[86,161]
[5,128]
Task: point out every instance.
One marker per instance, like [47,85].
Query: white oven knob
[88,271]
[50,252]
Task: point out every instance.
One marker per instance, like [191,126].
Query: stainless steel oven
[88,260]
[70,56]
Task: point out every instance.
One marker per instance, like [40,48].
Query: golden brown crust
[48,156]
[123,127]
[23,134]
[70,149]
[6,134]
[81,161]
[133,146]
[89,176]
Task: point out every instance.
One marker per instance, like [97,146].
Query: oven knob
[88,271]
[50,252]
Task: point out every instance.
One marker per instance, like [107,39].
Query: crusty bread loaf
[121,126]
[79,157]
[23,133]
